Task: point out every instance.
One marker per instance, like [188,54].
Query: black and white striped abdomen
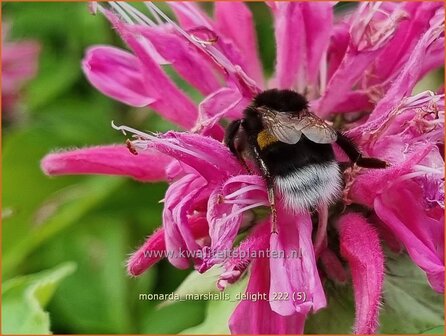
[310,185]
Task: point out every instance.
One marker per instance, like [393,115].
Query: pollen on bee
[130,147]
[264,139]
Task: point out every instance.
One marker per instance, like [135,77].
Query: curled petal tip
[152,251]
[48,165]
[107,160]
[117,74]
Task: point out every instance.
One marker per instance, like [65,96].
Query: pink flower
[360,247]
[19,65]
[362,67]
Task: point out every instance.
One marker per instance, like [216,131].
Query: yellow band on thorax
[265,139]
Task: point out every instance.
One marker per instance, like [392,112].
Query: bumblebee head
[281,101]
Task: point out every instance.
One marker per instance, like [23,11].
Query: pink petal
[396,54]
[170,101]
[333,266]
[190,15]
[290,44]
[296,272]
[16,52]
[184,209]
[434,58]
[352,101]
[373,26]
[256,317]
[223,228]
[422,235]
[178,202]
[339,41]
[387,236]
[344,78]
[280,283]
[363,49]
[408,125]
[361,247]
[147,255]
[243,254]
[371,183]
[224,103]
[186,59]
[154,248]
[107,160]
[318,27]
[221,50]
[302,37]
[19,64]
[117,74]
[234,20]
[225,215]
[207,156]
[408,77]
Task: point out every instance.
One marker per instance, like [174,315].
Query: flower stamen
[241,210]
[429,170]
[136,14]
[155,14]
[121,12]
[130,147]
[243,190]
[242,201]
[370,34]
[125,129]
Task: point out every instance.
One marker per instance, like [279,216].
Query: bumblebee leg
[270,187]
[272,204]
[231,133]
[367,162]
[353,153]
[235,139]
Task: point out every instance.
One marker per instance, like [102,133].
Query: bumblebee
[292,148]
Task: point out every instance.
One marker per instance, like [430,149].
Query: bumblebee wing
[317,130]
[278,124]
[289,127]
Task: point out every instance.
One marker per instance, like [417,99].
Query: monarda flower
[358,71]
[19,65]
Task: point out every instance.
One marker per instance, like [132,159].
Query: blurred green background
[79,231]
[93,221]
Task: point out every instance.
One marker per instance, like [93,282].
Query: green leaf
[435,331]
[172,319]
[187,312]
[96,298]
[410,305]
[30,198]
[65,210]
[57,74]
[219,311]
[339,315]
[24,299]
[197,283]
